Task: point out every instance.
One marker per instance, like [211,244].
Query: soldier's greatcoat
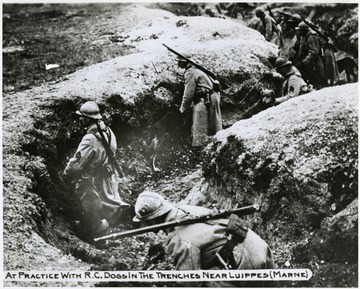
[193,247]
[206,121]
[293,85]
[96,183]
[318,61]
[267,27]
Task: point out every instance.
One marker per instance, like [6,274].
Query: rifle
[295,19]
[109,152]
[247,210]
[318,32]
[278,27]
[223,84]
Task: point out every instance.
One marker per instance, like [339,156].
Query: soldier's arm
[83,155]
[189,91]
[313,50]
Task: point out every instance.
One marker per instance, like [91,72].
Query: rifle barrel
[208,72]
[188,221]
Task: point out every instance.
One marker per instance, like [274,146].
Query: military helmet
[259,11]
[281,62]
[186,54]
[302,26]
[90,109]
[150,205]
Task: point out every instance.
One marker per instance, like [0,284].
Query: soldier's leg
[215,120]
[200,124]
[91,208]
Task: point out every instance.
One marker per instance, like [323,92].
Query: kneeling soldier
[211,245]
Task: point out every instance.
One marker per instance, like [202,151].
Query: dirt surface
[298,160]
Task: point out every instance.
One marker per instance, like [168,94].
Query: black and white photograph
[179,144]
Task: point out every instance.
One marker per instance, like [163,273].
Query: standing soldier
[94,174]
[212,245]
[316,59]
[201,95]
[267,26]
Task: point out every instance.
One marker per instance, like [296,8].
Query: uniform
[267,26]
[200,95]
[96,183]
[293,85]
[193,247]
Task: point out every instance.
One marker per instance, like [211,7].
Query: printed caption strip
[158,276]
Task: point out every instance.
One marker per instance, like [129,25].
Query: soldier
[94,174]
[201,95]
[316,59]
[267,26]
[207,245]
[293,83]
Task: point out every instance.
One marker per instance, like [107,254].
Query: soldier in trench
[202,97]
[316,59]
[267,26]
[292,82]
[94,175]
[207,245]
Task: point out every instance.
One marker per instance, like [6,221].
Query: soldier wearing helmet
[290,77]
[200,97]
[200,246]
[94,175]
[267,26]
[316,61]
[293,84]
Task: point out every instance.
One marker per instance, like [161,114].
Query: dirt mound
[233,51]
[280,158]
[299,161]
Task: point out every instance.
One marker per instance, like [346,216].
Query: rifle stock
[247,210]
[223,84]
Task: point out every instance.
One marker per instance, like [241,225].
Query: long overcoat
[193,247]
[206,120]
[319,65]
[96,183]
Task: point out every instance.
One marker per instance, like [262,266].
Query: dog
[171,127]
[349,65]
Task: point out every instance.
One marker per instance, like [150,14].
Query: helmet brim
[165,208]
[287,63]
[95,116]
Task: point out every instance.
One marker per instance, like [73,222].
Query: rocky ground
[297,160]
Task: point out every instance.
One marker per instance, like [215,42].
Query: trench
[55,137]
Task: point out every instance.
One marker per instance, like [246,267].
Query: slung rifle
[223,84]
[321,34]
[247,210]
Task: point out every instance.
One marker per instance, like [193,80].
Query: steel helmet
[90,109]
[303,26]
[187,55]
[150,205]
[281,62]
[259,11]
